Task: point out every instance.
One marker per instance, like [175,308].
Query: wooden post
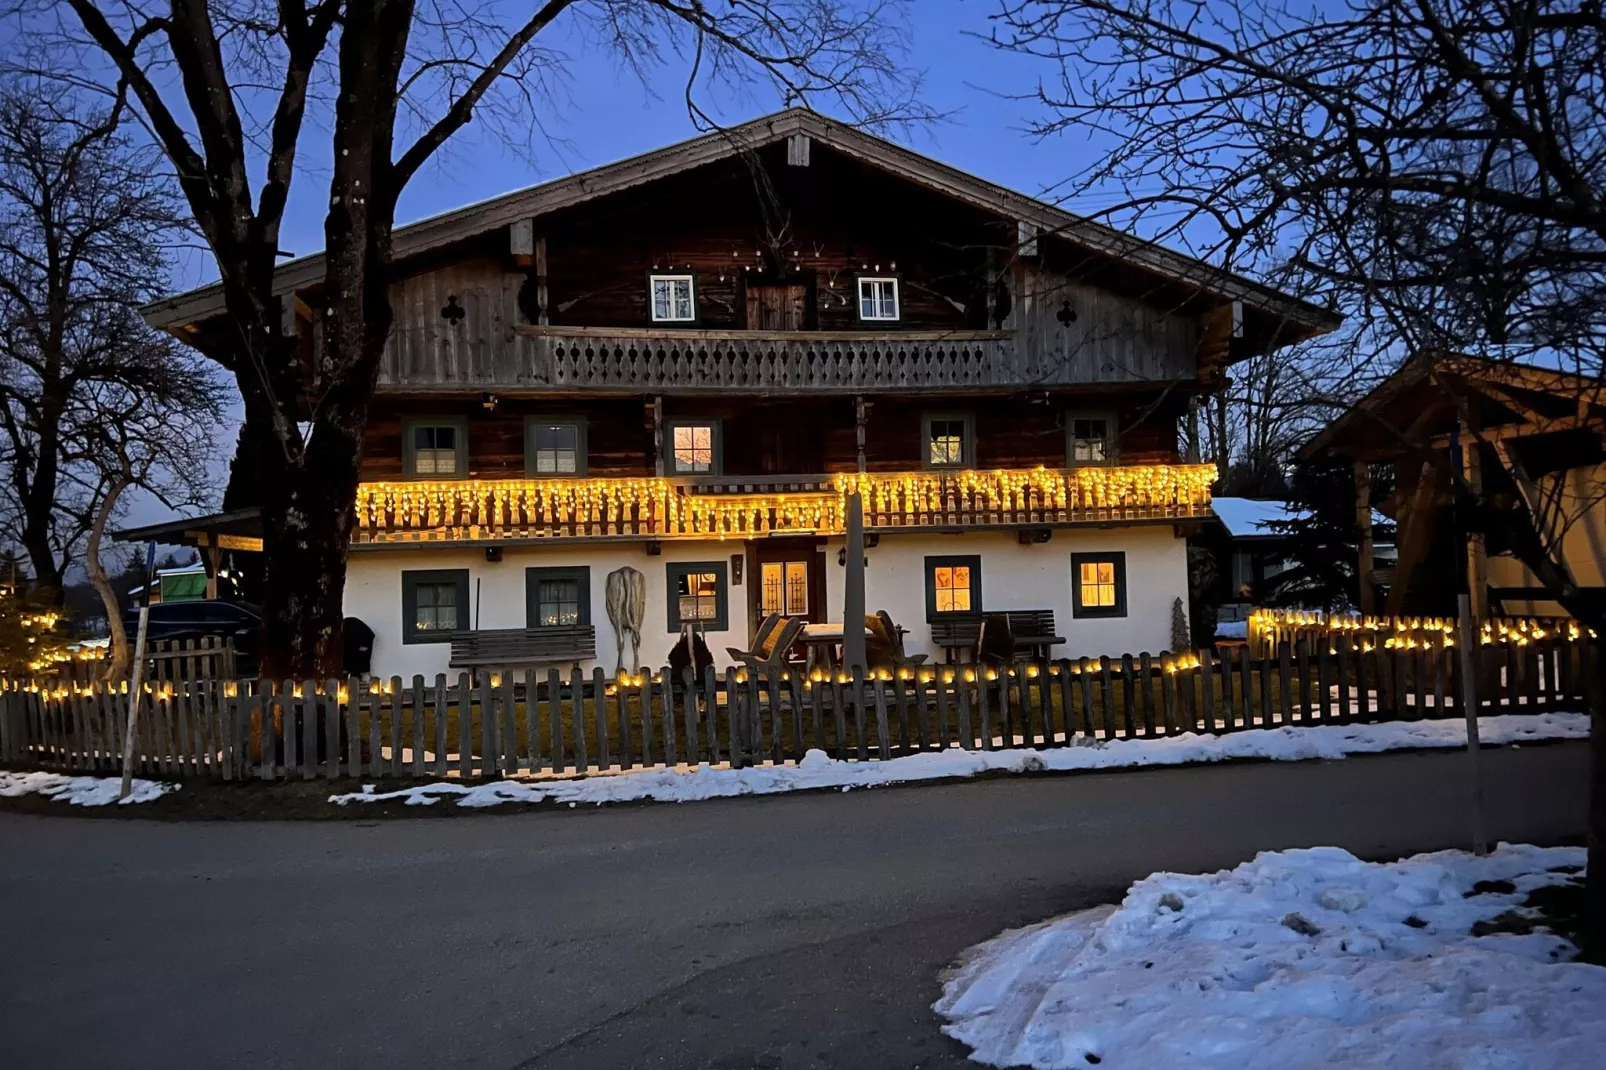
[658,435]
[1469,703]
[860,410]
[1363,528]
[542,316]
[135,684]
[853,653]
[1477,553]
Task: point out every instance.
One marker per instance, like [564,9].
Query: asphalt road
[801,931]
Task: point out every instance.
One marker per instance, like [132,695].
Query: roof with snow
[1249,518]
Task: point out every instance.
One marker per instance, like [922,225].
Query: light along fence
[540,721]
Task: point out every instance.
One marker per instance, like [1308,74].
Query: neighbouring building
[677,364]
[1520,432]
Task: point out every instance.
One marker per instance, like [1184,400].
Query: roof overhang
[1302,318]
[239,529]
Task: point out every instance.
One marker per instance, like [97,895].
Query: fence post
[1469,691]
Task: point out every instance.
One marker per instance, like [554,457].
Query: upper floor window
[554,447]
[1091,439]
[878,298]
[949,441]
[692,447]
[435,447]
[674,298]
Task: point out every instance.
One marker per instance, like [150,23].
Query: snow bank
[79,790]
[1307,958]
[817,770]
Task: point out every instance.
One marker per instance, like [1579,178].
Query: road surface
[800,931]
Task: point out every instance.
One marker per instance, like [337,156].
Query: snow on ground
[79,790]
[817,770]
[1305,958]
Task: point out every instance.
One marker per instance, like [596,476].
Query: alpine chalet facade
[678,364]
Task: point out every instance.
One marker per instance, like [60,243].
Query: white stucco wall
[1013,577]
[1031,577]
[374,594]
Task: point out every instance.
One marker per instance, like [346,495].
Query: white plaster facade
[1013,576]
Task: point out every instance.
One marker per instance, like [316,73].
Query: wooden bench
[523,646]
[1034,632]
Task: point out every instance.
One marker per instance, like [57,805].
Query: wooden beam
[797,150]
[860,414]
[1477,550]
[521,237]
[1363,528]
[1415,532]
[542,316]
[657,413]
[1026,238]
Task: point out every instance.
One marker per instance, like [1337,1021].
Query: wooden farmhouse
[679,364]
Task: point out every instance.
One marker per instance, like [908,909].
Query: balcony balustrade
[741,507]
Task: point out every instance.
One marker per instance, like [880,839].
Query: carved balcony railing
[738,507]
[763,361]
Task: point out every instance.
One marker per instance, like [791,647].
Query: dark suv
[237,621]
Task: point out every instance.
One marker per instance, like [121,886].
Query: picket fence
[521,720]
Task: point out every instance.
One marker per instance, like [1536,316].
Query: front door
[776,307]
[788,577]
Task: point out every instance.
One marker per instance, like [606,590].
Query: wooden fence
[529,721]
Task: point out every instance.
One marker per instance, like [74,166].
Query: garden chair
[771,651]
[884,645]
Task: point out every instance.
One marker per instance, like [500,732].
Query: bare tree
[86,225]
[1439,166]
[222,86]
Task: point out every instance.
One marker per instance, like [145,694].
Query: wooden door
[788,577]
[776,307]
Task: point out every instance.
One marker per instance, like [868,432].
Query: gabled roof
[1413,392]
[449,227]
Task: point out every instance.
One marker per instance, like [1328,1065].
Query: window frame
[1111,439]
[674,570]
[929,568]
[410,448]
[716,441]
[582,445]
[1085,612]
[533,578]
[897,297]
[411,580]
[968,448]
[673,321]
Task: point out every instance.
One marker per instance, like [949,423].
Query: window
[693,446]
[673,298]
[953,585]
[554,447]
[1092,439]
[784,588]
[435,447]
[698,594]
[878,299]
[948,441]
[1100,581]
[557,596]
[434,605]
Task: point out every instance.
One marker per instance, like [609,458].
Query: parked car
[240,622]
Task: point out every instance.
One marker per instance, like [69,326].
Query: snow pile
[818,770]
[1306,958]
[79,790]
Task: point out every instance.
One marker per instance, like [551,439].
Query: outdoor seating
[884,644]
[1033,631]
[567,643]
[770,651]
[995,642]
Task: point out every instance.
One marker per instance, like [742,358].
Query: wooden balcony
[530,510]
[642,360]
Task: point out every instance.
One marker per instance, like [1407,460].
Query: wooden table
[822,640]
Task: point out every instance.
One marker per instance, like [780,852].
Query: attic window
[673,298]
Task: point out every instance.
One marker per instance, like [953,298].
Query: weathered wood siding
[816,227]
[806,436]
[1112,339]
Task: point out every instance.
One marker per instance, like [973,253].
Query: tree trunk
[117,664]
